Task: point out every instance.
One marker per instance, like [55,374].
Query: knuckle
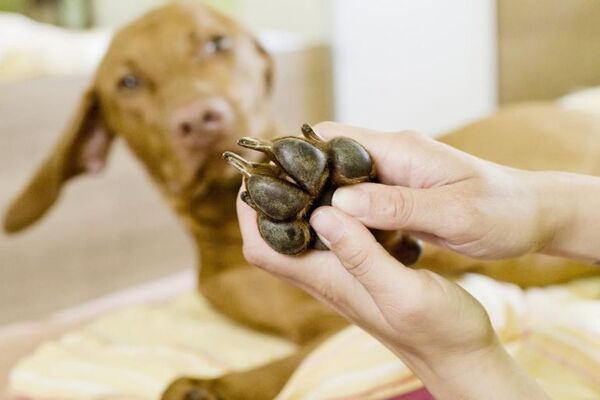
[394,206]
[409,140]
[325,126]
[358,261]
[393,142]
[326,289]
[411,137]
[417,307]
[413,313]
[467,217]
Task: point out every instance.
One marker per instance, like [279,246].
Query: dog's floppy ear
[269,65]
[82,148]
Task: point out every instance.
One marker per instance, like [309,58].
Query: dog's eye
[129,82]
[217,44]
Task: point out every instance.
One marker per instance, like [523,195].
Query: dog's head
[179,86]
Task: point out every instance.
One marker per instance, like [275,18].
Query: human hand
[363,282]
[440,331]
[445,196]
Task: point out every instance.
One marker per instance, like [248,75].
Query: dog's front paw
[300,175]
[191,389]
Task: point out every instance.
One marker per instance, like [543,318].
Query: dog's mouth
[205,170]
[196,153]
[198,143]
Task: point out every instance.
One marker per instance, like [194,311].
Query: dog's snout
[209,120]
[212,117]
[201,122]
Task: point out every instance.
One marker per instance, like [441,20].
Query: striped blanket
[554,333]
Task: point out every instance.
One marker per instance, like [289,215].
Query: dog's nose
[201,122]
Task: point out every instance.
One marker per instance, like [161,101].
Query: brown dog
[180,85]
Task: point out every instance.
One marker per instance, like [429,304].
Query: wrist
[569,208]
[554,211]
[477,375]
[540,214]
[443,367]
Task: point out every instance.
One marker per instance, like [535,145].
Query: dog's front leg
[262,383]
[261,301]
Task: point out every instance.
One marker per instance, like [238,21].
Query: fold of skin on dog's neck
[208,213]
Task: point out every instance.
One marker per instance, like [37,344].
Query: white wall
[308,18]
[111,13]
[426,65]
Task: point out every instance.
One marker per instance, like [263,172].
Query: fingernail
[327,225]
[351,200]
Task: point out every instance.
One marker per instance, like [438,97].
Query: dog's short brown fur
[180,85]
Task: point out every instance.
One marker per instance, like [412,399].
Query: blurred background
[429,65]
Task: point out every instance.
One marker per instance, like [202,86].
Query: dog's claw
[255,144]
[248,168]
[310,133]
[237,162]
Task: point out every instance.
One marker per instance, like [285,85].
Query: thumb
[379,206]
[356,249]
